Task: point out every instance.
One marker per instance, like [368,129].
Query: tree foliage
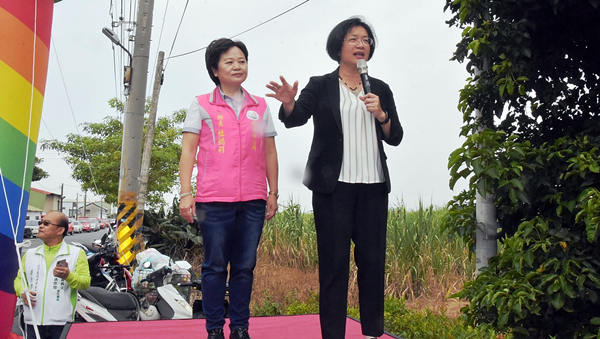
[95,158]
[536,81]
[38,173]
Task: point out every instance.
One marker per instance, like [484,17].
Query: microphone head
[361,65]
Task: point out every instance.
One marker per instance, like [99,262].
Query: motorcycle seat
[110,300]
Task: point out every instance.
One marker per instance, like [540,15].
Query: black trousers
[46,331]
[357,213]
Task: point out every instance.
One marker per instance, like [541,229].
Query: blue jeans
[231,232]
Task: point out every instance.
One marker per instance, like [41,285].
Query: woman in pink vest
[230,134]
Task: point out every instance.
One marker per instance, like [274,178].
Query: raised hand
[284,92]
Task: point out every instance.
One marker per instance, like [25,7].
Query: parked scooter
[164,301]
[96,304]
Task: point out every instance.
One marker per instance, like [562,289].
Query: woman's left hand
[271,207]
[374,106]
[187,208]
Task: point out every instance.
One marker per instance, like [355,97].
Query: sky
[414,47]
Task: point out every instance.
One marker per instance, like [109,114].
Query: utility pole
[62,197]
[130,219]
[84,202]
[147,156]
[486,235]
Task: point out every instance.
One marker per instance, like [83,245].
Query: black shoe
[216,334]
[240,333]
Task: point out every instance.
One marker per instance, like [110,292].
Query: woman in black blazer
[347,173]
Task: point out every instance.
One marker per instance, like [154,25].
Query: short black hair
[214,51]
[339,32]
[63,221]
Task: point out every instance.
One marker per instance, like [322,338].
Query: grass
[422,260]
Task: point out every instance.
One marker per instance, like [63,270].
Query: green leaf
[492,172]
[558,301]
[517,308]
[522,330]
[529,257]
[518,184]
[455,156]
[513,196]
[591,231]
[501,89]
[510,86]
[477,168]
[503,319]
[555,287]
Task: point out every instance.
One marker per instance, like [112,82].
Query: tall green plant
[421,256]
[536,81]
[290,237]
[170,234]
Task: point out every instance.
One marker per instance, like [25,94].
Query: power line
[49,132]
[176,33]
[73,115]
[248,30]
[162,27]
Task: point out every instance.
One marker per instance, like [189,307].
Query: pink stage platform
[280,327]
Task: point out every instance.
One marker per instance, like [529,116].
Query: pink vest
[231,156]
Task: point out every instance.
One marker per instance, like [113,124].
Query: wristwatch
[276,194]
[386,120]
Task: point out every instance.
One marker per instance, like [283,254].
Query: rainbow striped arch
[25,27]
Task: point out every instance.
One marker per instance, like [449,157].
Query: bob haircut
[214,52]
[339,32]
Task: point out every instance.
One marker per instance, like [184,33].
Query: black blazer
[320,99]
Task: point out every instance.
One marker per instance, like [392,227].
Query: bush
[170,234]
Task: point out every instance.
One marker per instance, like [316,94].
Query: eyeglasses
[46,223]
[364,41]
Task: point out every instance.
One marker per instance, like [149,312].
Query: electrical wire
[132,15]
[162,27]
[112,19]
[48,129]
[85,152]
[248,30]
[176,33]
[117,94]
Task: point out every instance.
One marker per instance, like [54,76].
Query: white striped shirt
[361,162]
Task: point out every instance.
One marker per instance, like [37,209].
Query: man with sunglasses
[54,271]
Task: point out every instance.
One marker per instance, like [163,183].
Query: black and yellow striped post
[128,232]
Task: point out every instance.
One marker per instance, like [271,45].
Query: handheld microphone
[361,65]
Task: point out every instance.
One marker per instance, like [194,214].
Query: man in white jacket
[54,271]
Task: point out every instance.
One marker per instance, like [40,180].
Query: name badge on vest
[252,115]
